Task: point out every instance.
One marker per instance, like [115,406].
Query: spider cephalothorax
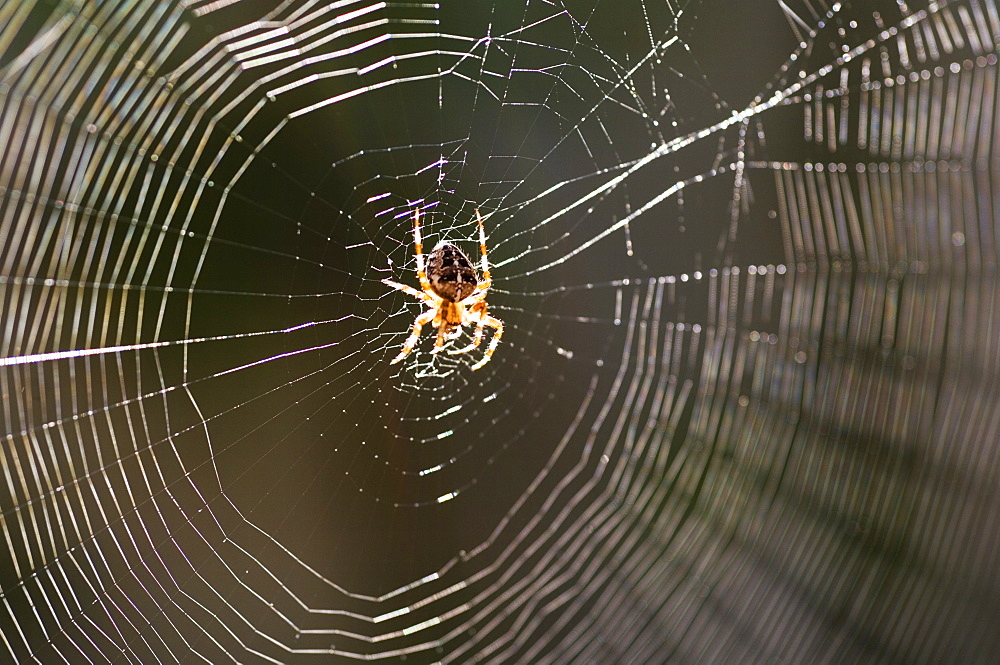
[454,294]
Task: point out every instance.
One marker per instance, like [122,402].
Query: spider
[454,295]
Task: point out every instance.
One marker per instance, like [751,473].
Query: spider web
[745,405]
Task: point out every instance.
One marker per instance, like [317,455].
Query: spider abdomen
[451,273]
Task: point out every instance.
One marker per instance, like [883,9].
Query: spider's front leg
[492,323]
[414,337]
[477,339]
[479,309]
[446,333]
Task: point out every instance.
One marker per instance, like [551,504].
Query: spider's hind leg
[414,337]
[486,281]
[418,252]
[405,289]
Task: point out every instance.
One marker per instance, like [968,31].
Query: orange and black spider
[454,295]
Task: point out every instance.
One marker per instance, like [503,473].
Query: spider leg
[485,283]
[477,297]
[406,289]
[492,322]
[477,339]
[418,250]
[444,335]
[411,341]
[478,311]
